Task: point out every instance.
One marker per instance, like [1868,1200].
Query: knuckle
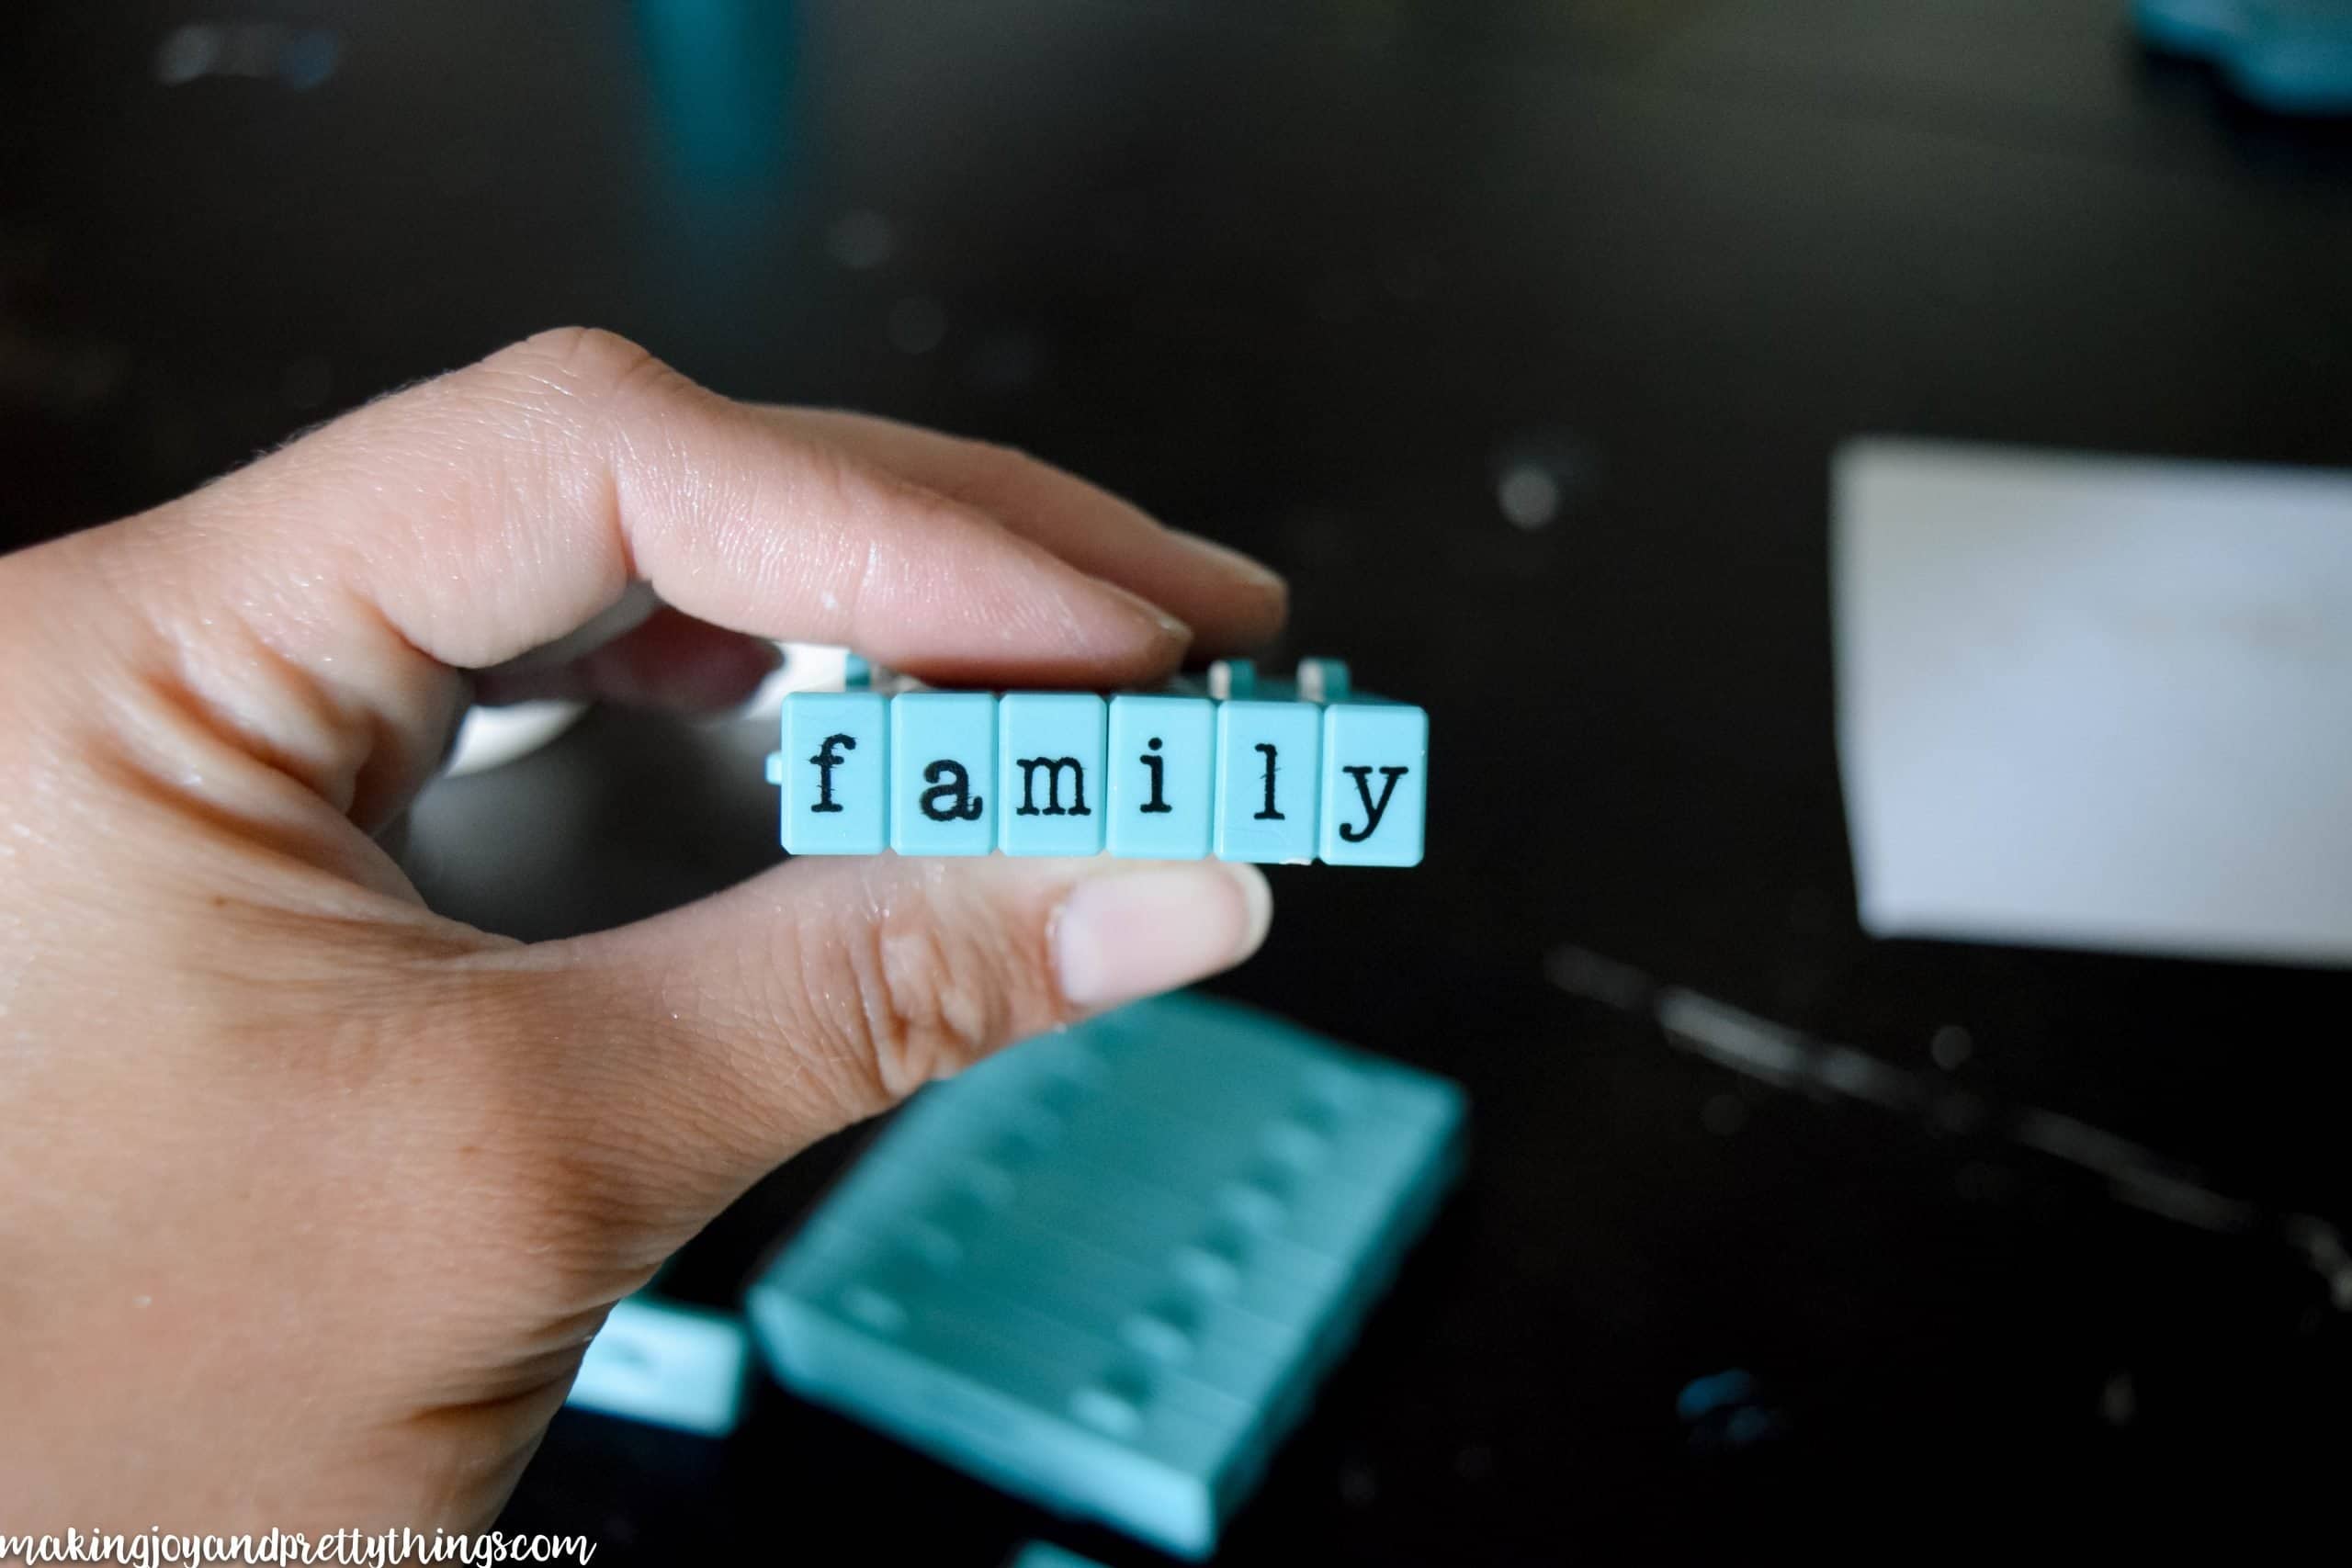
[1006,477]
[925,999]
[588,355]
[923,994]
[587,367]
[997,466]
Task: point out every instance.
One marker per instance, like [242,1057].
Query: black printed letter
[827,760]
[956,789]
[1371,809]
[1270,814]
[1156,767]
[1053,766]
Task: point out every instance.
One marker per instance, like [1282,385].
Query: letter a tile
[943,794]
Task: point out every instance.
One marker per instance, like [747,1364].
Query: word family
[1238,768]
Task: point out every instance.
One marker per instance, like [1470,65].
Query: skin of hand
[312,1198]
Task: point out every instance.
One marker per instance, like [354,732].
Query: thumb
[702,1047]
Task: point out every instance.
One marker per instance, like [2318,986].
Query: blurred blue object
[1704,1397]
[1107,1268]
[666,1365]
[1039,1554]
[2201,27]
[723,75]
[2290,56]
[1722,1412]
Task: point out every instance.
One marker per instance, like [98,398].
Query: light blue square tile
[835,768]
[943,773]
[1376,783]
[1050,795]
[666,1365]
[1163,776]
[1268,785]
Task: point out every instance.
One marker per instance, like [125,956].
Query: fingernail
[1126,935]
[1168,624]
[1226,559]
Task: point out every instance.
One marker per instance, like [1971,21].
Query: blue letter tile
[943,773]
[1375,771]
[1267,776]
[666,1365]
[836,770]
[1163,770]
[1050,799]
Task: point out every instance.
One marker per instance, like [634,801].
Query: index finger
[317,601]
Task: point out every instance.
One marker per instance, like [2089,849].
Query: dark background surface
[1311,279]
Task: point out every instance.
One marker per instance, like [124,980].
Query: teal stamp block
[835,770]
[1050,794]
[1163,777]
[666,1365]
[2288,56]
[943,795]
[1268,781]
[1105,1270]
[1045,1554]
[1376,783]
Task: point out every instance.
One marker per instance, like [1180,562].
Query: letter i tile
[1163,776]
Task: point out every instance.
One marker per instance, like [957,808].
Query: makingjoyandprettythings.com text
[156,1546]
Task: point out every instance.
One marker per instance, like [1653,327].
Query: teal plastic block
[1233,679]
[2288,56]
[943,773]
[835,770]
[1163,774]
[1376,781]
[1051,800]
[666,1365]
[1268,780]
[1324,680]
[1105,1270]
[1039,1554]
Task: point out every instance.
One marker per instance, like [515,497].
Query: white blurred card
[2096,702]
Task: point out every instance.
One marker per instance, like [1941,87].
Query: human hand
[312,1197]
